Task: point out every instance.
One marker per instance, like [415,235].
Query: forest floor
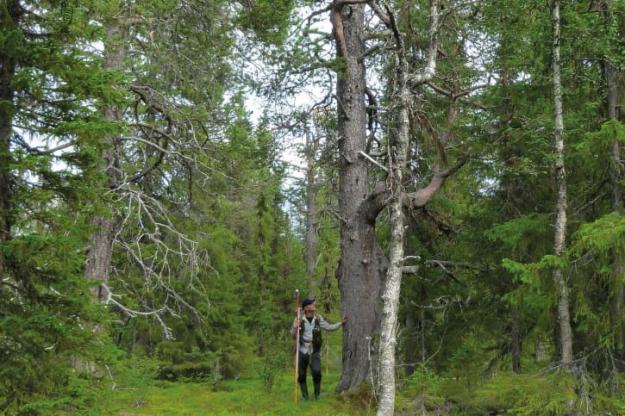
[425,393]
[235,397]
[132,389]
[135,394]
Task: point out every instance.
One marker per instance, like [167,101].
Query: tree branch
[380,13]
[428,72]
[372,160]
[376,201]
[421,197]
[410,269]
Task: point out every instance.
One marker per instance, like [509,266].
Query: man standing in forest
[310,345]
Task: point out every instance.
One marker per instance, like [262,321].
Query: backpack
[317,338]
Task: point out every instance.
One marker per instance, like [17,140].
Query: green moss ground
[425,393]
[241,397]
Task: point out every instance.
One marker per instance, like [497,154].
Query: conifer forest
[445,178]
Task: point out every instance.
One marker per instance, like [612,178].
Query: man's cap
[307,302]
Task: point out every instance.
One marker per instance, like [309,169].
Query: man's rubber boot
[317,389]
[304,389]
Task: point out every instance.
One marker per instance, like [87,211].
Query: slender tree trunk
[390,295]
[410,340]
[541,351]
[616,176]
[415,326]
[362,262]
[610,72]
[514,198]
[515,341]
[566,334]
[9,17]
[100,251]
[311,212]
[422,329]
[398,155]
[326,284]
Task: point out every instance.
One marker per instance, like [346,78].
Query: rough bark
[564,320]
[9,17]
[101,242]
[362,263]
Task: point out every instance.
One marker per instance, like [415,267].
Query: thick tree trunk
[362,262]
[101,245]
[360,270]
[564,320]
[9,17]
[363,265]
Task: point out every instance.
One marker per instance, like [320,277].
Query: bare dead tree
[163,141]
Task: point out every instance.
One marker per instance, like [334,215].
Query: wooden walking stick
[297,304]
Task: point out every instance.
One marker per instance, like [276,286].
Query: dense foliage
[149,218]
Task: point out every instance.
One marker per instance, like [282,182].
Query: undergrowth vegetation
[549,392]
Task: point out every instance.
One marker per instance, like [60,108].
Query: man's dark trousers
[315,368]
